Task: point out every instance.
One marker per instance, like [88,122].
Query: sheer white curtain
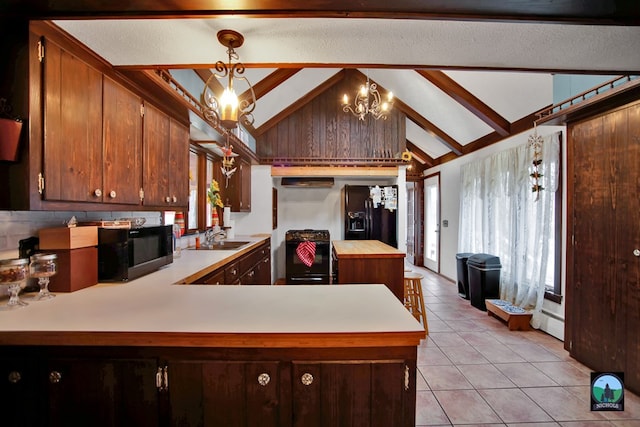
[499,215]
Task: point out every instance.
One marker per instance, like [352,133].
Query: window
[502,216]
[201,172]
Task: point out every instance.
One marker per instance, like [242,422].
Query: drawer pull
[55,377]
[307,379]
[14,377]
[263,379]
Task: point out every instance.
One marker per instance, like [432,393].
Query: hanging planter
[535,143]
[10,129]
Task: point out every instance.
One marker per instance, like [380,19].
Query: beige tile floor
[473,371]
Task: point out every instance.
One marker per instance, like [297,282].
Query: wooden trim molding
[278,171]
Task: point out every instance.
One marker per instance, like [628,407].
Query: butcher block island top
[369,261]
[154,310]
[365,249]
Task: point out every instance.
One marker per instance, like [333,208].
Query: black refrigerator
[370,213]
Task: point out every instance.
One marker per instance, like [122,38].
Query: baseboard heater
[307,182]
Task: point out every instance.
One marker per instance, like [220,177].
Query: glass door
[432,223]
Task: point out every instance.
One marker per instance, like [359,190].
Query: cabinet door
[113,393]
[215,278]
[239,187]
[350,394]
[122,144]
[230,394]
[72,128]
[245,186]
[178,169]
[156,161]
[18,392]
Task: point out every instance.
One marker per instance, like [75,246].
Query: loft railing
[581,97]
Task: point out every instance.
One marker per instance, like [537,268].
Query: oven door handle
[306,279]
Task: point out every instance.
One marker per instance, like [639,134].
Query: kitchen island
[369,261]
[152,352]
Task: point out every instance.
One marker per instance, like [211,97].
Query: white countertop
[154,310]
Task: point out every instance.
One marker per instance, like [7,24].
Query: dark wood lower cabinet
[363,393]
[230,394]
[96,392]
[209,387]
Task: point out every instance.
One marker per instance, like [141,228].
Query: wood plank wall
[321,132]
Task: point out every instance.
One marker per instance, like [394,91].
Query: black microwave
[128,253]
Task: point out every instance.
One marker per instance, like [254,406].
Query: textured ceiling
[507,66]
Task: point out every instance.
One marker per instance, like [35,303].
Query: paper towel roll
[231,231]
[226,216]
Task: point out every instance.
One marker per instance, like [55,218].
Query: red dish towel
[306,252]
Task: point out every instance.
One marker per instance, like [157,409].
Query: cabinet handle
[97,192]
[251,273]
[234,272]
[167,199]
[406,377]
[162,378]
[636,252]
[55,377]
[14,377]
[175,199]
[112,194]
[263,379]
[306,379]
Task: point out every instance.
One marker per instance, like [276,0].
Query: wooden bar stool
[413,299]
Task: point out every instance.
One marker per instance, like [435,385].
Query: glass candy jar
[13,275]
[43,266]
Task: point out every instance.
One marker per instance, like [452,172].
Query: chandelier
[368,101]
[228,110]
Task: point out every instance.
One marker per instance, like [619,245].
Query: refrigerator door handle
[367,222]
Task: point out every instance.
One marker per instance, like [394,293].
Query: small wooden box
[518,321]
[77,269]
[68,237]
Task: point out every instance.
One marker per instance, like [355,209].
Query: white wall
[300,208]
[450,210]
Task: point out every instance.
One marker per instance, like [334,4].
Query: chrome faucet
[211,237]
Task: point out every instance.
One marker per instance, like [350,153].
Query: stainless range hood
[307,182]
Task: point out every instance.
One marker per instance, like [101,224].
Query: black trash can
[463,274]
[484,279]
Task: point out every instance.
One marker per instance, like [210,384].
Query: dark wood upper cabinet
[122,139]
[179,163]
[72,154]
[156,139]
[83,148]
[166,160]
[236,190]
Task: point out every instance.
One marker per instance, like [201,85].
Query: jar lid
[15,261]
[43,257]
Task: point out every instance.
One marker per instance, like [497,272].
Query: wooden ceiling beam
[431,128]
[562,11]
[416,152]
[467,100]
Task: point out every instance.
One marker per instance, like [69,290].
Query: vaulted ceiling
[465,75]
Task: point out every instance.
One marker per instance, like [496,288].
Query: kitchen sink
[223,245]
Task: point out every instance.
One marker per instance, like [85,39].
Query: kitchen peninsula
[369,261]
[153,352]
